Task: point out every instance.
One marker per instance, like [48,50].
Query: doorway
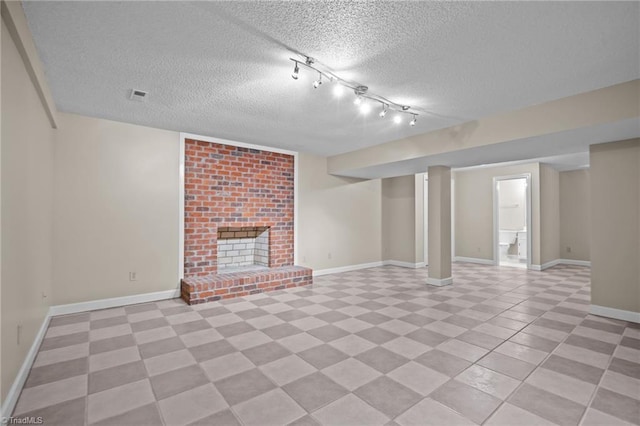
[512,220]
[425,210]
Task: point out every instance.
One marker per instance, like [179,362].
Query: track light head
[294,75]
[384,111]
[357,100]
[318,82]
[405,107]
[413,122]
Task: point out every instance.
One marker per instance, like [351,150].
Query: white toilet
[506,239]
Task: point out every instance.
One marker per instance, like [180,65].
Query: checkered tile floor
[501,346]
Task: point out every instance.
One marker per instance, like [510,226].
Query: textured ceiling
[221,68]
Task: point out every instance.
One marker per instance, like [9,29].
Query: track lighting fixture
[318,82]
[363,96]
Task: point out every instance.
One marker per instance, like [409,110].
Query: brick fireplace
[239,205]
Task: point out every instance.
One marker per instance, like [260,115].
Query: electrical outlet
[568,249]
[133,276]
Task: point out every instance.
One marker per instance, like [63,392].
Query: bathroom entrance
[512,220]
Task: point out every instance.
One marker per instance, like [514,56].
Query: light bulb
[384,111]
[357,100]
[294,75]
[413,122]
[397,119]
[338,90]
[365,108]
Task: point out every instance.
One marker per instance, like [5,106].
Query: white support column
[439,226]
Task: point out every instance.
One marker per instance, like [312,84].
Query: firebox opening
[243,248]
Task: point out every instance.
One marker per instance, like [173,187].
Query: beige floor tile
[225,366]
[418,378]
[113,358]
[585,356]
[431,413]
[270,409]
[463,350]
[152,335]
[594,417]
[67,329]
[201,337]
[351,373]
[168,362]
[406,347]
[37,397]
[286,370]
[349,410]
[119,400]
[560,384]
[189,406]
[510,415]
[65,353]
[109,332]
[352,345]
[249,340]
[488,381]
[622,384]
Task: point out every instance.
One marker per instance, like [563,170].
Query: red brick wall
[231,186]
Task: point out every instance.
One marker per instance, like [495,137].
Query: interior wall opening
[512,221]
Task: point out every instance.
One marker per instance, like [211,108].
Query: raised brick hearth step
[209,288]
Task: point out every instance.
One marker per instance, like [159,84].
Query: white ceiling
[221,68]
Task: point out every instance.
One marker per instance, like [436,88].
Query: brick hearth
[224,286]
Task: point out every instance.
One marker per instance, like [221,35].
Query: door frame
[425,218]
[496,212]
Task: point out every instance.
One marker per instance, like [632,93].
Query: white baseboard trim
[113,302]
[549,264]
[403,264]
[575,262]
[439,282]
[320,272]
[347,268]
[556,262]
[14,392]
[474,260]
[619,314]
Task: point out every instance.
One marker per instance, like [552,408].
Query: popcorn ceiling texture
[222,69]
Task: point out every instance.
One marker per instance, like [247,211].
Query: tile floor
[501,346]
